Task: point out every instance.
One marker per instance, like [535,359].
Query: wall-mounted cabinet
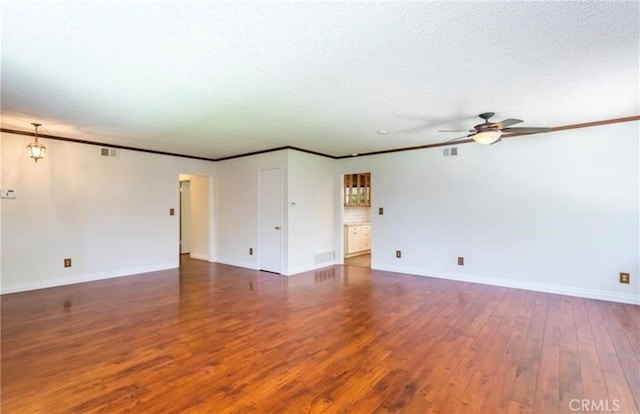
[357,189]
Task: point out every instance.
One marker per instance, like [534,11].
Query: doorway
[195,216]
[270,220]
[357,219]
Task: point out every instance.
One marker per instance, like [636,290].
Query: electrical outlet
[398,254]
[172,211]
[624,277]
[460,261]
[67,262]
[250,251]
[380,210]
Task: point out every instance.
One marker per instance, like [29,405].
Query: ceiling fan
[490,133]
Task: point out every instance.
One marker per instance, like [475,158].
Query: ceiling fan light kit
[487,137]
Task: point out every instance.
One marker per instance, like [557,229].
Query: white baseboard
[309,268]
[254,266]
[518,284]
[41,284]
[537,287]
[238,263]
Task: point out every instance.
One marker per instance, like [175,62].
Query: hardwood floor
[219,339]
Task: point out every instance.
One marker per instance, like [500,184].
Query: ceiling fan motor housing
[486,115]
[486,125]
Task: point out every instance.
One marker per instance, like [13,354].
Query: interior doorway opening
[357,219]
[194,216]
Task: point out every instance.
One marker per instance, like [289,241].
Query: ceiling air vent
[108,152]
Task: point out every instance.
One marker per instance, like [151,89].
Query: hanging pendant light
[36,149]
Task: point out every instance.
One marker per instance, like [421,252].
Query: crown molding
[289,147]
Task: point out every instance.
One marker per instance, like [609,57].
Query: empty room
[320,207]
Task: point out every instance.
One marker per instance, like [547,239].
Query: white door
[270,216]
[185,217]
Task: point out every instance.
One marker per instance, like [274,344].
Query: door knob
[277,227]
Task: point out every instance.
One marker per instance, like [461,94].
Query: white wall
[308,227]
[312,188]
[556,212]
[110,215]
[200,211]
[236,207]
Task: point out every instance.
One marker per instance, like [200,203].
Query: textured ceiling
[215,79]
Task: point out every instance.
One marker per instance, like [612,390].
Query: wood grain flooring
[211,338]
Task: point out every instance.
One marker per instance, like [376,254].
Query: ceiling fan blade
[506,122]
[525,131]
[459,138]
[454,130]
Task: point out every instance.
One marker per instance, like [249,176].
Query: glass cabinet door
[362,195]
[357,189]
[347,189]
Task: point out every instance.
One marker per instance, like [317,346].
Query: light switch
[7,194]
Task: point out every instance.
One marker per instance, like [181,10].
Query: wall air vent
[108,152]
[325,257]
[450,152]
